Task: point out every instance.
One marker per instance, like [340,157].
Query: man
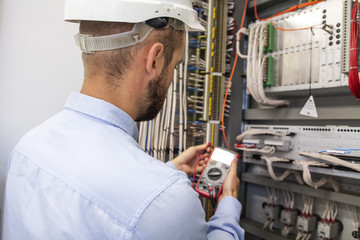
[81,174]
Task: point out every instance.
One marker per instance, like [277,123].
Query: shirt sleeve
[229,208]
[177,213]
[171,165]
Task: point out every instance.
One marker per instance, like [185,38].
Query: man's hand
[186,160]
[231,183]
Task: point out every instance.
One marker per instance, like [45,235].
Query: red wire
[291,9]
[230,79]
[354,83]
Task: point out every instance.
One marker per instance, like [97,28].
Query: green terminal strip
[270,61]
[271,43]
[270,72]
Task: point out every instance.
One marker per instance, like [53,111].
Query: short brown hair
[115,63]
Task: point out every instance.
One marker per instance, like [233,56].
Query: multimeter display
[215,171]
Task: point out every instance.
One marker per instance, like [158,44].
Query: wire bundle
[154,134]
[306,213]
[354,83]
[252,148]
[330,213]
[270,160]
[355,221]
[258,38]
[272,204]
[307,175]
[289,198]
[332,159]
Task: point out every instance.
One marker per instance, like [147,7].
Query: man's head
[163,49]
[131,49]
[115,63]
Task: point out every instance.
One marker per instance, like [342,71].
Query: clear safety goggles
[140,31]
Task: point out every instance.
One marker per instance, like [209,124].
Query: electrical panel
[316,55]
[307,165]
[300,173]
[334,140]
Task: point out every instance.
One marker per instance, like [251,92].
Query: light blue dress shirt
[82,175]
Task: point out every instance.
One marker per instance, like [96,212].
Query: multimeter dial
[214,173]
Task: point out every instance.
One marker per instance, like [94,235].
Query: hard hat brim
[130,12]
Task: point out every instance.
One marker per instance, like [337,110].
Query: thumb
[233,166]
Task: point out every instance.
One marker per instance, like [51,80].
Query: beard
[153,100]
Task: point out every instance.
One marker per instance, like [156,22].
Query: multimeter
[215,172]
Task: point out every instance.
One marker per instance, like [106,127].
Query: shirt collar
[105,111]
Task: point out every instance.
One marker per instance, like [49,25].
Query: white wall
[39,66]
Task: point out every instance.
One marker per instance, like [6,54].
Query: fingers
[201,165]
[203,147]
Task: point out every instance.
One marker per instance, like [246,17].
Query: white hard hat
[146,14]
[132,11]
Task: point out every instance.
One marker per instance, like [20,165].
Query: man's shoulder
[104,164]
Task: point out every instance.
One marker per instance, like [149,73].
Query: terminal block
[288,217]
[271,211]
[328,229]
[306,224]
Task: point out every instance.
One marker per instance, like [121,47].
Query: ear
[155,60]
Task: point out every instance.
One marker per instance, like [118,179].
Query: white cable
[181,120]
[311,205]
[167,122]
[307,175]
[255,66]
[240,137]
[173,110]
[325,213]
[331,159]
[270,160]
[141,135]
[307,210]
[354,217]
[261,62]
[246,32]
[273,196]
[255,69]
[289,206]
[157,130]
[334,211]
[292,200]
[162,131]
[186,57]
[264,99]
[266,149]
[249,70]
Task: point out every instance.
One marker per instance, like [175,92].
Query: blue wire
[194,122]
[192,89]
[346,150]
[350,149]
